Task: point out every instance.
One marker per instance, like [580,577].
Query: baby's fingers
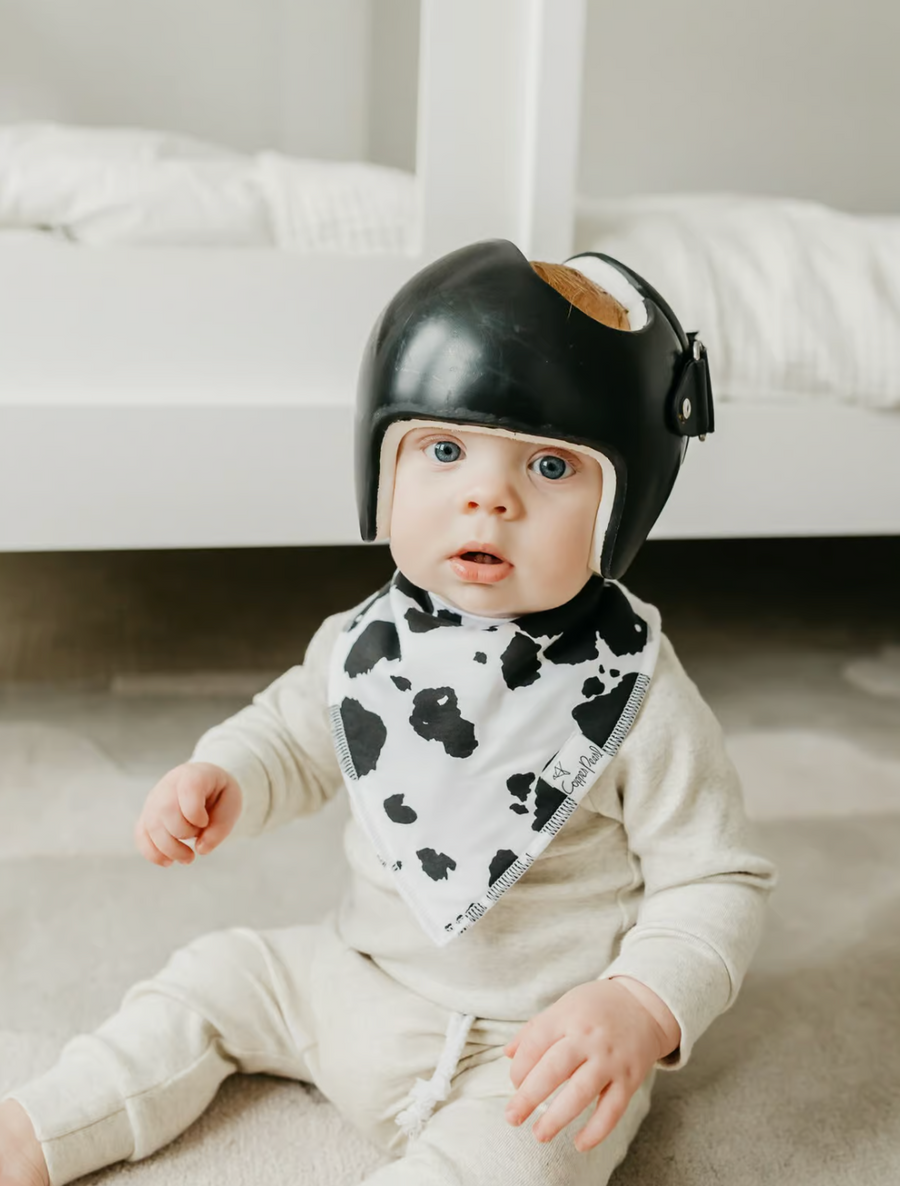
[553,1069]
[583,1087]
[223,815]
[531,1043]
[513,1045]
[610,1111]
[191,792]
[168,845]
[148,849]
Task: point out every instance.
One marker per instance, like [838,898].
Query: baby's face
[531,506]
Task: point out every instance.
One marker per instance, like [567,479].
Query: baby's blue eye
[445,450]
[551,466]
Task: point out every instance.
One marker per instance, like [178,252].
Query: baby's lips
[477,546]
[481,574]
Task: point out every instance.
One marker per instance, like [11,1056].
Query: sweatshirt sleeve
[279,748]
[704,889]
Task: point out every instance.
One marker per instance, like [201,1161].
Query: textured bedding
[126,186]
[792,298]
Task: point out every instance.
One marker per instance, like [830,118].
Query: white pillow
[135,187]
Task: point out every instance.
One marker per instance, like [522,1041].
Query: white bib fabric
[467,742]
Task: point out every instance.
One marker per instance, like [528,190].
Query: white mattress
[791,298]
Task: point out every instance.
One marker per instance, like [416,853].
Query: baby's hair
[584,294]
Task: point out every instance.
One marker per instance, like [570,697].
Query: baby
[551,892]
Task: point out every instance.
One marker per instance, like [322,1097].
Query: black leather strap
[690,412]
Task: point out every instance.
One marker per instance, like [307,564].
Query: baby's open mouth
[481,557]
[478,565]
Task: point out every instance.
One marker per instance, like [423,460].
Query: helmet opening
[616,283]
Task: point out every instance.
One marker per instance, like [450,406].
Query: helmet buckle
[691,402]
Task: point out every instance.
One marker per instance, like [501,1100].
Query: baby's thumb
[191,792]
[223,815]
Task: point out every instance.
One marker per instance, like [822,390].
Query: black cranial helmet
[478,339]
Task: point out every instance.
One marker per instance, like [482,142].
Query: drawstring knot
[426,1093]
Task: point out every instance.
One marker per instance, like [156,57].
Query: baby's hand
[600,1038]
[196,799]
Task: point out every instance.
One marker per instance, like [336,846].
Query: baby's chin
[487,601]
[508,598]
[517,594]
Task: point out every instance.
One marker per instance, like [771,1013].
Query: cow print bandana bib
[467,742]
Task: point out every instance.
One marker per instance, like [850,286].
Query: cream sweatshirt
[653,876]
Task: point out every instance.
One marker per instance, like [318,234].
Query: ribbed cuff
[686,974]
[78,1114]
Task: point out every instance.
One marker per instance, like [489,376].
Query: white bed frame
[204,398]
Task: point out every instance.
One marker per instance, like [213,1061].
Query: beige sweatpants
[298,1003]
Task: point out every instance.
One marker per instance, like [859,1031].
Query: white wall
[394,82]
[797,97]
[779,96]
[283,74]
[324,75]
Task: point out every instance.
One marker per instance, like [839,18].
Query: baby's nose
[475,504]
[495,495]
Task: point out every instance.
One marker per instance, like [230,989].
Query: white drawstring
[426,1093]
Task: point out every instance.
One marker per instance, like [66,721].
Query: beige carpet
[799,1084]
